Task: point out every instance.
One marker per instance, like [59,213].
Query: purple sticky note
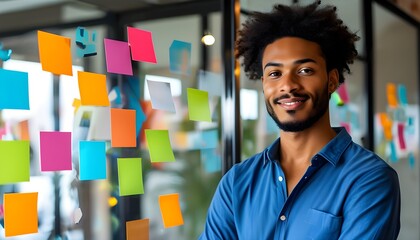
[117,55]
[141,44]
[55,151]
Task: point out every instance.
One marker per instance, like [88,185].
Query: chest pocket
[322,225]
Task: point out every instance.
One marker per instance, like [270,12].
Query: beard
[320,107]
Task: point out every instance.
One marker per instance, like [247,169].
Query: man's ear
[333,80]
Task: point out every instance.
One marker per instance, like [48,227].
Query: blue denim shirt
[347,193]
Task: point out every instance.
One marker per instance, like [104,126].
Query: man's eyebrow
[300,61]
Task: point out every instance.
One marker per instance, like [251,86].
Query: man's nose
[289,83]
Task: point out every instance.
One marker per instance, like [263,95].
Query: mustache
[288,95]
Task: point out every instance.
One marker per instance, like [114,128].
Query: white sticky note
[161,96]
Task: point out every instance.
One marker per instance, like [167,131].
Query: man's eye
[274,74]
[306,71]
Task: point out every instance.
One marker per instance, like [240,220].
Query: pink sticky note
[401,139]
[141,44]
[342,91]
[346,126]
[117,55]
[55,151]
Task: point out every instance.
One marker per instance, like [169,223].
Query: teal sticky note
[180,57]
[14,162]
[14,91]
[198,105]
[411,160]
[402,94]
[159,146]
[130,176]
[393,152]
[211,160]
[92,163]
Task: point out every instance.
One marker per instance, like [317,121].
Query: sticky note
[14,162]
[198,105]
[24,130]
[85,42]
[133,103]
[115,95]
[20,213]
[76,104]
[14,91]
[92,160]
[117,56]
[5,54]
[100,128]
[346,126]
[160,149]
[161,96]
[92,88]
[130,176]
[393,152]
[123,127]
[211,160]
[387,125]
[180,57]
[401,139]
[342,91]
[337,99]
[55,151]
[170,210]
[391,93]
[77,215]
[55,53]
[141,45]
[137,229]
[411,160]
[402,94]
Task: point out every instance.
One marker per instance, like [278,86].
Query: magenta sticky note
[55,151]
[117,56]
[141,45]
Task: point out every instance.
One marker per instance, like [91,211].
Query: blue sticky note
[5,54]
[411,160]
[211,160]
[180,57]
[92,160]
[133,103]
[85,46]
[402,94]
[393,152]
[14,92]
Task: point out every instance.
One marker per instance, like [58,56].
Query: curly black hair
[313,22]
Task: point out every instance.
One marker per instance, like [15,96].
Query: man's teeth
[290,103]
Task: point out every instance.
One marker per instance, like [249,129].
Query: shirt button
[283,218]
[280,178]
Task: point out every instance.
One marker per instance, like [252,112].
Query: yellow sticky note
[92,87]
[55,53]
[391,92]
[170,210]
[76,104]
[20,213]
[137,229]
[198,105]
[123,127]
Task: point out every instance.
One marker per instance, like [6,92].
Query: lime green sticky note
[14,162]
[130,177]
[159,146]
[198,105]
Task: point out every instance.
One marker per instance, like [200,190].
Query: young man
[313,182]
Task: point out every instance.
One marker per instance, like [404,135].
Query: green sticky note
[198,105]
[130,177]
[14,162]
[159,146]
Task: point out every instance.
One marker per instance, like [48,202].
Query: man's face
[296,83]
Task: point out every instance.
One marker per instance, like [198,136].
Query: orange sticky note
[387,125]
[20,213]
[55,53]
[123,127]
[137,229]
[170,210]
[24,130]
[92,87]
[391,93]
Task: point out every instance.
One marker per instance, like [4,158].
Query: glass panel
[397,114]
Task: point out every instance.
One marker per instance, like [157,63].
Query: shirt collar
[331,152]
